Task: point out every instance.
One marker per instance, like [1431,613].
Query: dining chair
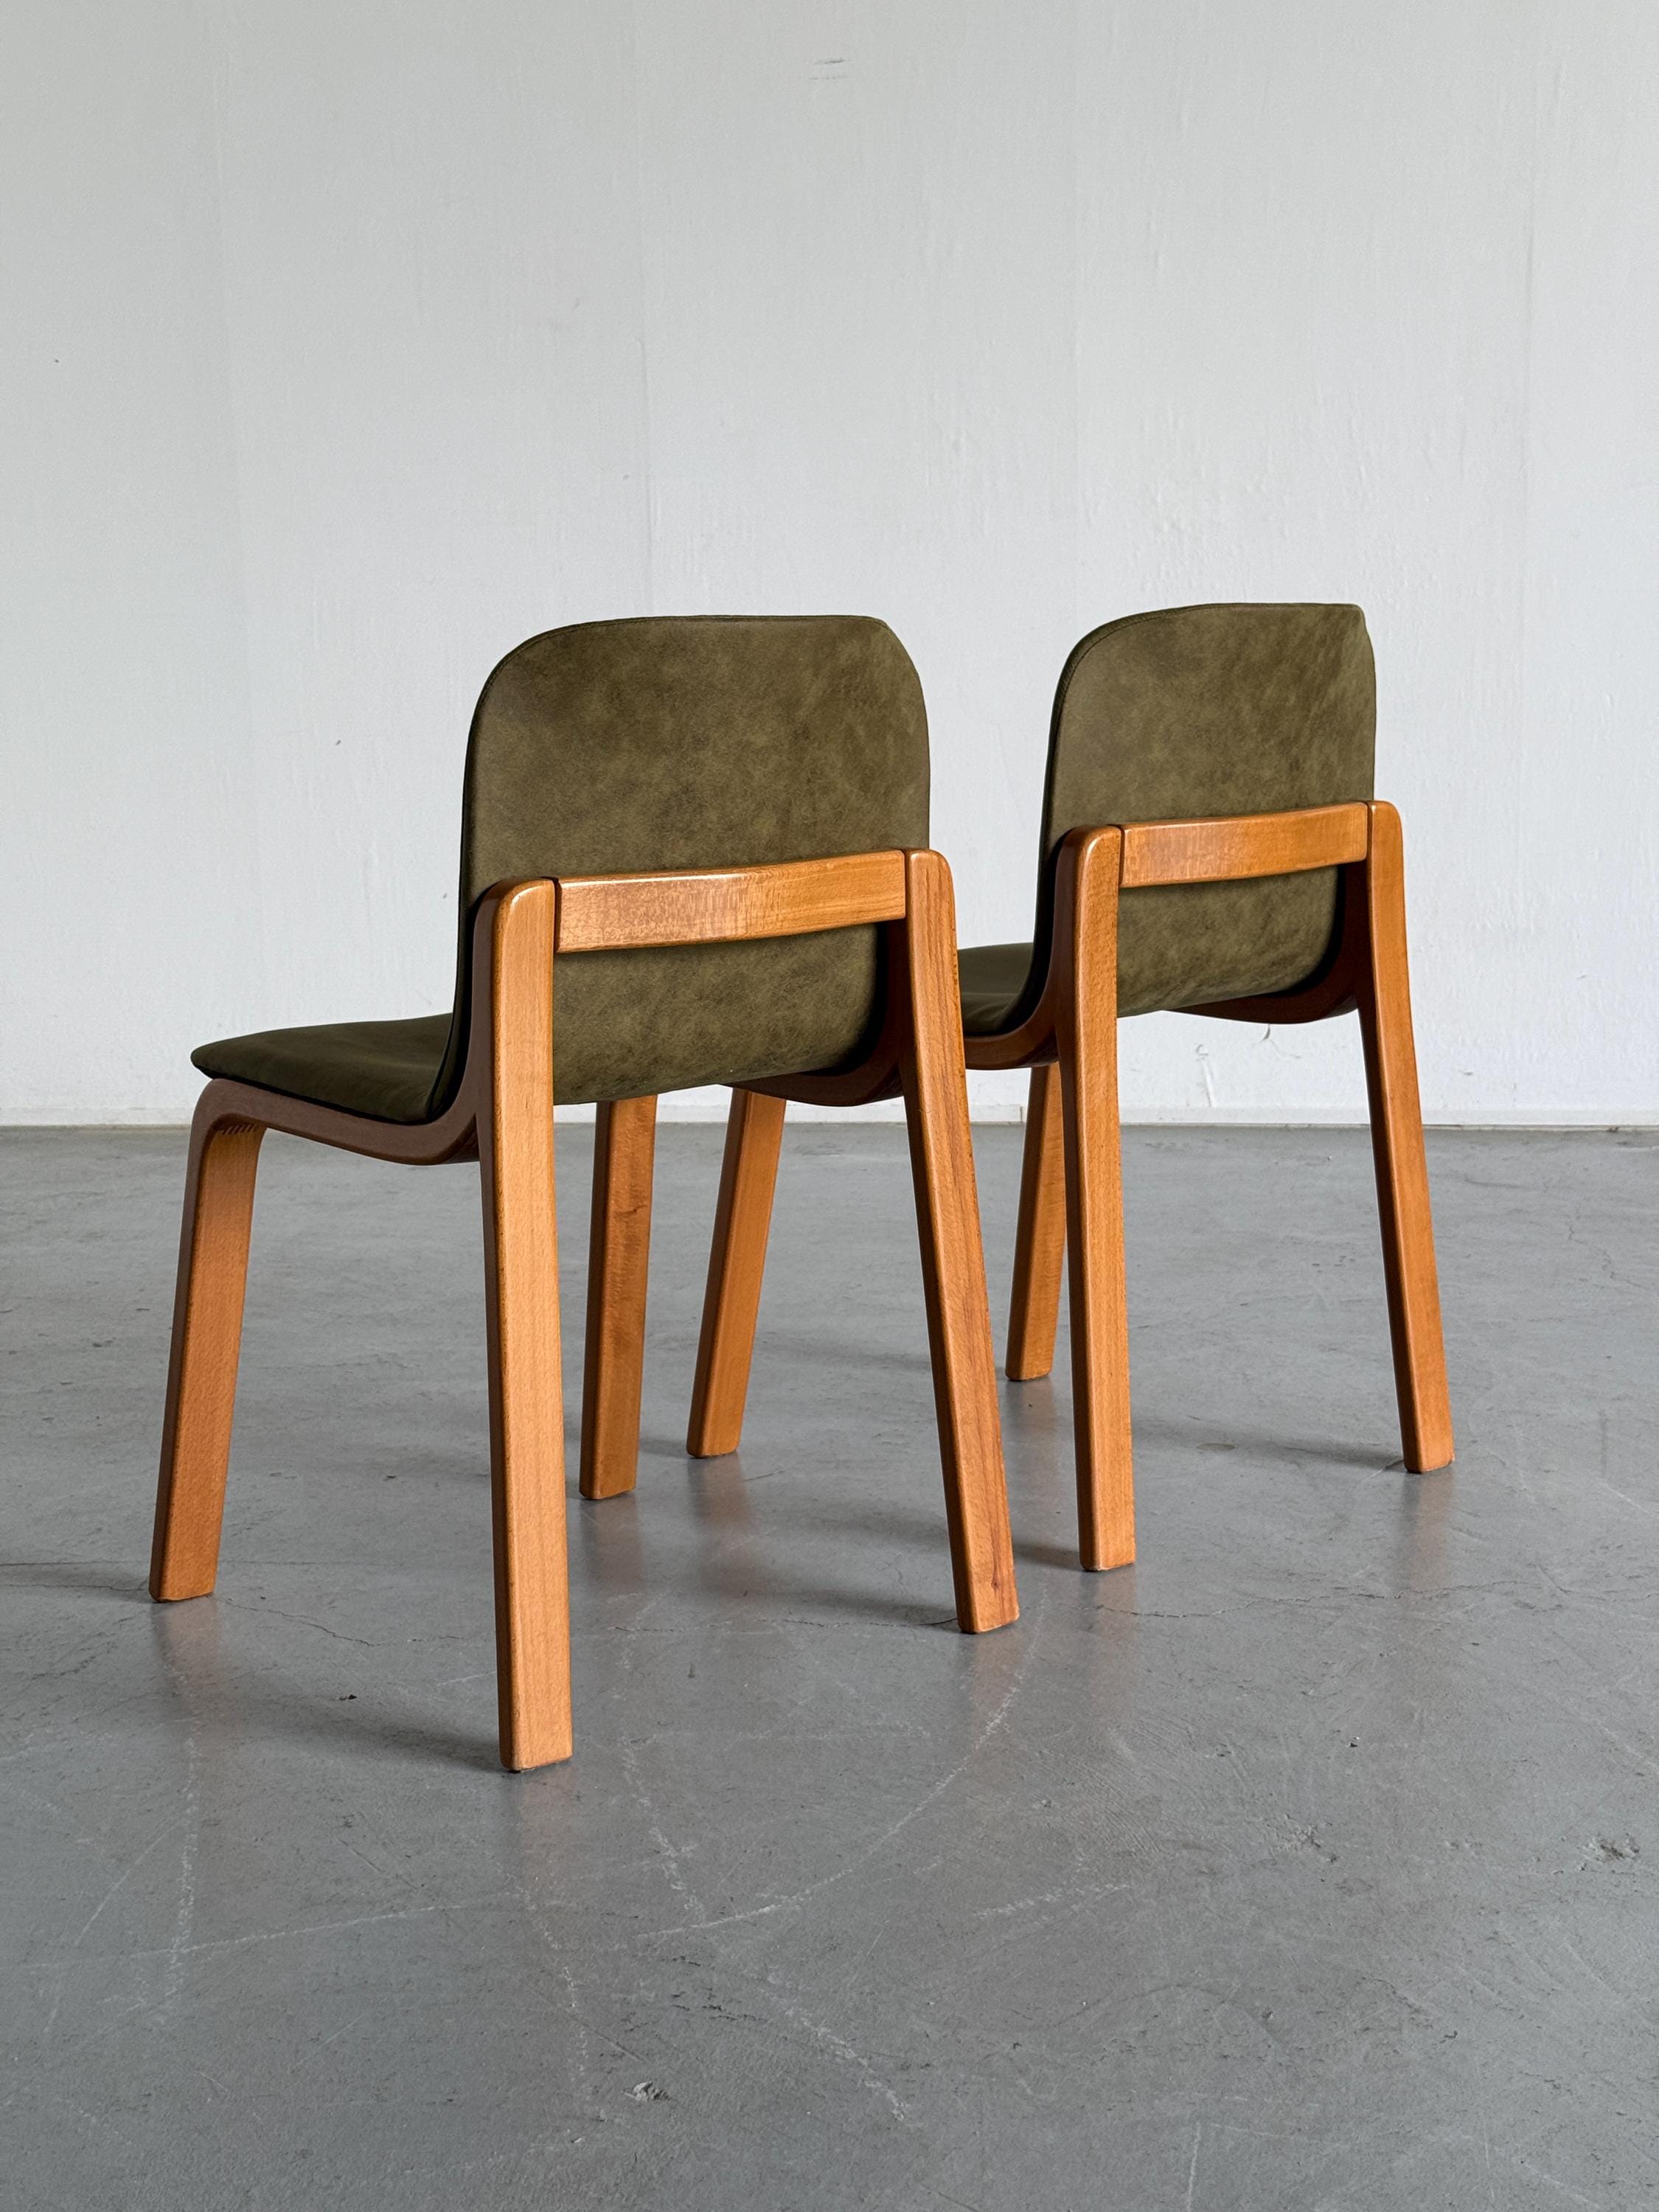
[1210,845]
[693,851]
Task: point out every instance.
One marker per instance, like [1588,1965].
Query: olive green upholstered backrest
[696,742]
[1203,711]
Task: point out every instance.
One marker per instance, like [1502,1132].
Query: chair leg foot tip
[988,1624]
[533,1762]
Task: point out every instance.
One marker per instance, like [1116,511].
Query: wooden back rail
[716,905]
[1233,846]
[1139,854]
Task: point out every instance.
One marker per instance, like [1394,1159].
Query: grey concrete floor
[1311,1863]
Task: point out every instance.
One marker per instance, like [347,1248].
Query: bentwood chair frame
[502,1116]
[1071,1183]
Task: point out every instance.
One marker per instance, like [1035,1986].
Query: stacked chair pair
[695,851]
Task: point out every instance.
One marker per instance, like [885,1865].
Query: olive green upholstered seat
[994,978]
[386,1069]
[657,744]
[1209,710]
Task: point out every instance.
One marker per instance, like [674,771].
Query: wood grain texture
[736,1262]
[502,1116]
[714,905]
[1402,1176]
[1086,935]
[618,1271]
[521,1297]
[952,1256]
[1367,969]
[1040,1235]
[207,1337]
[453,1136]
[1228,847]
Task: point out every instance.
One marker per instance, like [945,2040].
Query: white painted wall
[347,342]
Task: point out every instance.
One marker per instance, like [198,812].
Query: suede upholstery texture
[664,743]
[1190,711]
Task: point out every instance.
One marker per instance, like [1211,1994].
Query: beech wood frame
[1071,1191]
[503,1117]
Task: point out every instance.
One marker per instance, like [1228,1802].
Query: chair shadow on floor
[610,1535]
[216,1696]
[243,1704]
[1037,1409]
[779,1346]
[1259,1444]
[87,1578]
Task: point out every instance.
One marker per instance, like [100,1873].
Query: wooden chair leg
[1040,1238]
[618,1267]
[207,1337]
[521,1287]
[953,1255]
[737,1261]
[1094,1200]
[1402,1176]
